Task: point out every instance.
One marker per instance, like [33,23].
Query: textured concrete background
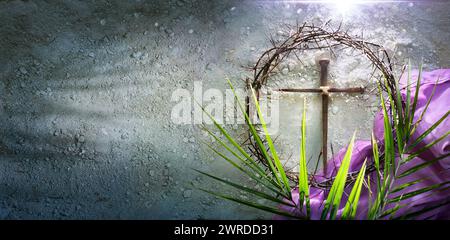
[85,90]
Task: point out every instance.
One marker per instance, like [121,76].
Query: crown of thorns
[306,37]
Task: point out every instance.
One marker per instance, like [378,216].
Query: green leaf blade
[351,206]
[337,188]
[303,187]
[276,160]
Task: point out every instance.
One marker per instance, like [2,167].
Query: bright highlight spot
[345,6]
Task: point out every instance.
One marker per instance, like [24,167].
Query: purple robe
[434,174]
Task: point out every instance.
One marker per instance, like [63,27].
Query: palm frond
[425,148]
[351,206]
[258,140]
[253,204]
[248,190]
[303,186]
[418,167]
[276,160]
[428,131]
[417,192]
[397,149]
[424,210]
[333,200]
[259,179]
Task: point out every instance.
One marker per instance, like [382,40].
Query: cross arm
[319,90]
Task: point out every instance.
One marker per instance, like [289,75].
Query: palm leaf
[258,139]
[333,200]
[399,116]
[303,187]
[417,192]
[423,210]
[352,202]
[422,165]
[426,106]
[376,159]
[248,173]
[273,151]
[405,185]
[391,211]
[425,148]
[416,96]
[389,149]
[249,162]
[408,103]
[248,190]
[252,204]
[232,141]
[428,131]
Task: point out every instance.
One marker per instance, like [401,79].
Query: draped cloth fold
[436,84]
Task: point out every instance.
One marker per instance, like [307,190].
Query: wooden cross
[325,90]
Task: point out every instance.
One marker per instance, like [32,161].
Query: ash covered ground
[85,96]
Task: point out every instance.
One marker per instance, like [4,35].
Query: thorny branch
[309,37]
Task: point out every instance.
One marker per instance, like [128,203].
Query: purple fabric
[436,173]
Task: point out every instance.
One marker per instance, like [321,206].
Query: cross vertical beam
[325,90]
[324,86]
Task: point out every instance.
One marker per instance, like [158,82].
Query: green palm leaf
[425,148]
[258,139]
[232,141]
[428,131]
[253,205]
[352,202]
[389,148]
[248,173]
[423,210]
[248,190]
[417,192]
[416,97]
[406,185]
[422,165]
[273,151]
[303,187]
[376,159]
[333,200]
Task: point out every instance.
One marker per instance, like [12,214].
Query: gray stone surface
[85,89]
